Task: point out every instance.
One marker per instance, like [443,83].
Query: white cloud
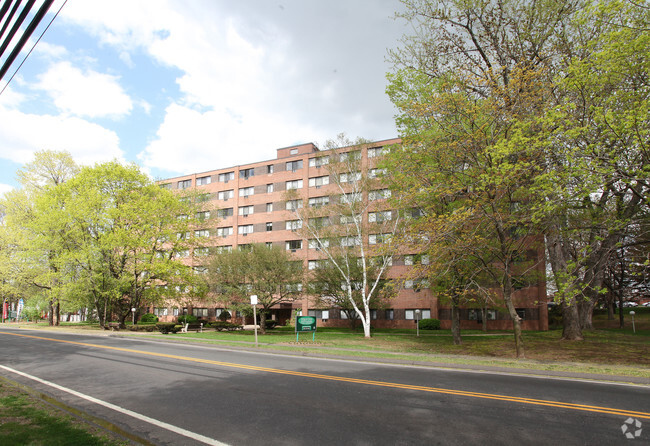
[263,76]
[90,94]
[22,134]
[193,141]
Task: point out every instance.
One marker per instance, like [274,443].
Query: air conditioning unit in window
[293,250]
[319,186]
[226,199]
[245,234]
[245,215]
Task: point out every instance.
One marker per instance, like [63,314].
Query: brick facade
[251,200]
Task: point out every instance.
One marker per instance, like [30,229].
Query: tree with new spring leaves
[270,272]
[109,239]
[352,224]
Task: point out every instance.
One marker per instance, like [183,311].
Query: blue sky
[184,87]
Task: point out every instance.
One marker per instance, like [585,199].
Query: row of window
[317,182]
[291,166]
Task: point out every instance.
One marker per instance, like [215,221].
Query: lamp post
[417,323]
[632,313]
[133,315]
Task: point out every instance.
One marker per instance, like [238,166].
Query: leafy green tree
[596,138]
[470,75]
[27,270]
[271,273]
[118,238]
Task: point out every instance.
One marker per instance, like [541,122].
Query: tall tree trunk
[571,328]
[50,313]
[57,310]
[484,322]
[455,323]
[621,319]
[586,311]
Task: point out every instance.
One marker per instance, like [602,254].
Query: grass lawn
[26,420]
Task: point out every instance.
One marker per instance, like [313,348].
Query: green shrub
[224,316]
[168,327]
[270,323]
[149,317]
[221,326]
[429,324]
[145,327]
[187,319]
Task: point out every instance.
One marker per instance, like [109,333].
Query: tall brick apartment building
[251,208]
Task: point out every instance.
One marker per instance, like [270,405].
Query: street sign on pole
[305,324]
[254,303]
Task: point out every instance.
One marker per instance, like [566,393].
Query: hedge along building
[251,204]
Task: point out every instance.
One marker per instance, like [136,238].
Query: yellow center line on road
[537,402]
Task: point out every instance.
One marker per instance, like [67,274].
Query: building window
[376,239]
[246,173]
[201,252]
[350,177]
[226,194]
[203,215]
[184,184]
[353,155]
[160,311]
[182,254]
[292,225]
[292,205]
[315,264]
[294,165]
[223,249]
[376,151]
[245,229]
[224,232]
[245,210]
[380,216]
[319,161]
[269,207]
[225,177]
[292,245]
[351,198]
[315,244]
[269,168]
[390,314]
[269,188]
[320,314]
[293,152]
[202,181]
[318,202]
[202,233]
[269,226]
[200,270]
[165,185]
[380,194]
[183,235]
[200,312]
[226,212]
[319,222]
[246,191]
[349,219]
[350,241]
[319,181]
[374,173]
[424,314]
[294,184]
[269,245]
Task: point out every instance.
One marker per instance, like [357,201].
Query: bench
[114,326]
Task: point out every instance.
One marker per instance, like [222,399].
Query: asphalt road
[171,394]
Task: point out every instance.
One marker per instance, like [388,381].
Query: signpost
[254,304]
[305,324]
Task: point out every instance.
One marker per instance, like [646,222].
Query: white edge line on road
[169,427]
